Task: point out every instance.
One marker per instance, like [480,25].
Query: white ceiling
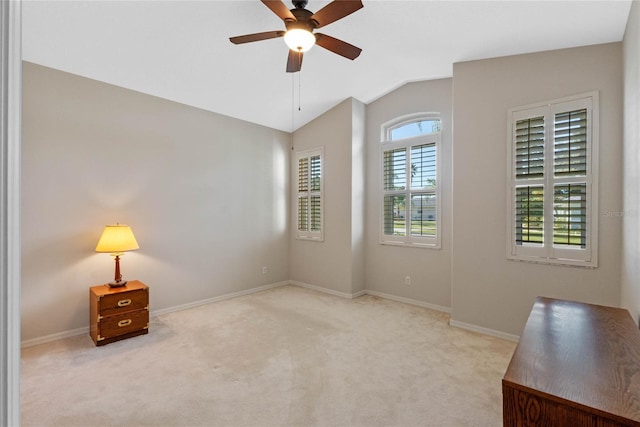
[179,50]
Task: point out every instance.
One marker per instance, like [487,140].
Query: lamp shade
[117,239]
[299,40]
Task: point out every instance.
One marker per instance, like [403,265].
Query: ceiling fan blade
[256,37]
[338,46]
[294,61]
[280,9]
[335,10]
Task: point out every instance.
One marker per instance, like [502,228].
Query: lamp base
[118,284]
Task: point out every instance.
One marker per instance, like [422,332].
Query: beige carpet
[284,357]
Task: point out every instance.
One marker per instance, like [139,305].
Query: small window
[553,174]
[310,199]
[414,128]
[410,192]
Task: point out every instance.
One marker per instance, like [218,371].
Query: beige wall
[630,294]
[387,266]
[336,263]
[95,154]
[206,196]
[488,290]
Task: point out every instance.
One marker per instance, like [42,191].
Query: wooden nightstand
[118,313]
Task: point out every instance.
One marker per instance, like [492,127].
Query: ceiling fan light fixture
[300,24]
[299,40]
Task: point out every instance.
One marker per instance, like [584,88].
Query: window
[553,159]
[310,199]
[410,195]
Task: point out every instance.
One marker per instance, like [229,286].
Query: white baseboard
[216,299]
[153,313]
[467,326]
[85,330]
[327,290]
[54,337]
[409,301]
[485,331]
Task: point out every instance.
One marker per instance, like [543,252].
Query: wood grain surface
[118,313]
[575,364]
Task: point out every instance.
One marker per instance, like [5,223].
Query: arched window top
[412,126]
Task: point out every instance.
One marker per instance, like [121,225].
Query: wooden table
[575,365]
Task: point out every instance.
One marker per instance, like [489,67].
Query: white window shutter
[310,195]
[552,208]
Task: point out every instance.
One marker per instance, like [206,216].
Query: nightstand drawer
[123,301]
[120,324]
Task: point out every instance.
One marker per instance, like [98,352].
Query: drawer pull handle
[124,302]
[125,322]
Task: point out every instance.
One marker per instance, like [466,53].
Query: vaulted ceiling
[180,50]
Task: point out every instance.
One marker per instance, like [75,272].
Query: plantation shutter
[316,208]
[303,189]
[529,147]
[570,143]
[529,212]
[528,192]
[303,174]
[553,212]
[570,215]
[394,180]
[423,166]
[395,169]
[423,195]
[309,212]
[570,201]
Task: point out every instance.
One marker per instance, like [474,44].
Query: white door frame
[10,142]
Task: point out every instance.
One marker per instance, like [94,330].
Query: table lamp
[117,239]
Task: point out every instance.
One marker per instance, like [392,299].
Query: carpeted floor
[284,357]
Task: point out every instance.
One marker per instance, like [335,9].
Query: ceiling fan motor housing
[303,20]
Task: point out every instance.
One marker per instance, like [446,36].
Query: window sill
[412,245]
[559,262]
[310,239]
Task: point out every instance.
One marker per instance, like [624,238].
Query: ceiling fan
[300,24]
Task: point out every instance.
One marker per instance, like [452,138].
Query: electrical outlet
[264,270]
[407,280]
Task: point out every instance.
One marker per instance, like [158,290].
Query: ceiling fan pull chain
[299,89]
[293,97]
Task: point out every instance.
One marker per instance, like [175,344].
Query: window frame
[547,252]
[317,236]
[386,144]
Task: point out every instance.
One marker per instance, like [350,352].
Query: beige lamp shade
[116,239]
